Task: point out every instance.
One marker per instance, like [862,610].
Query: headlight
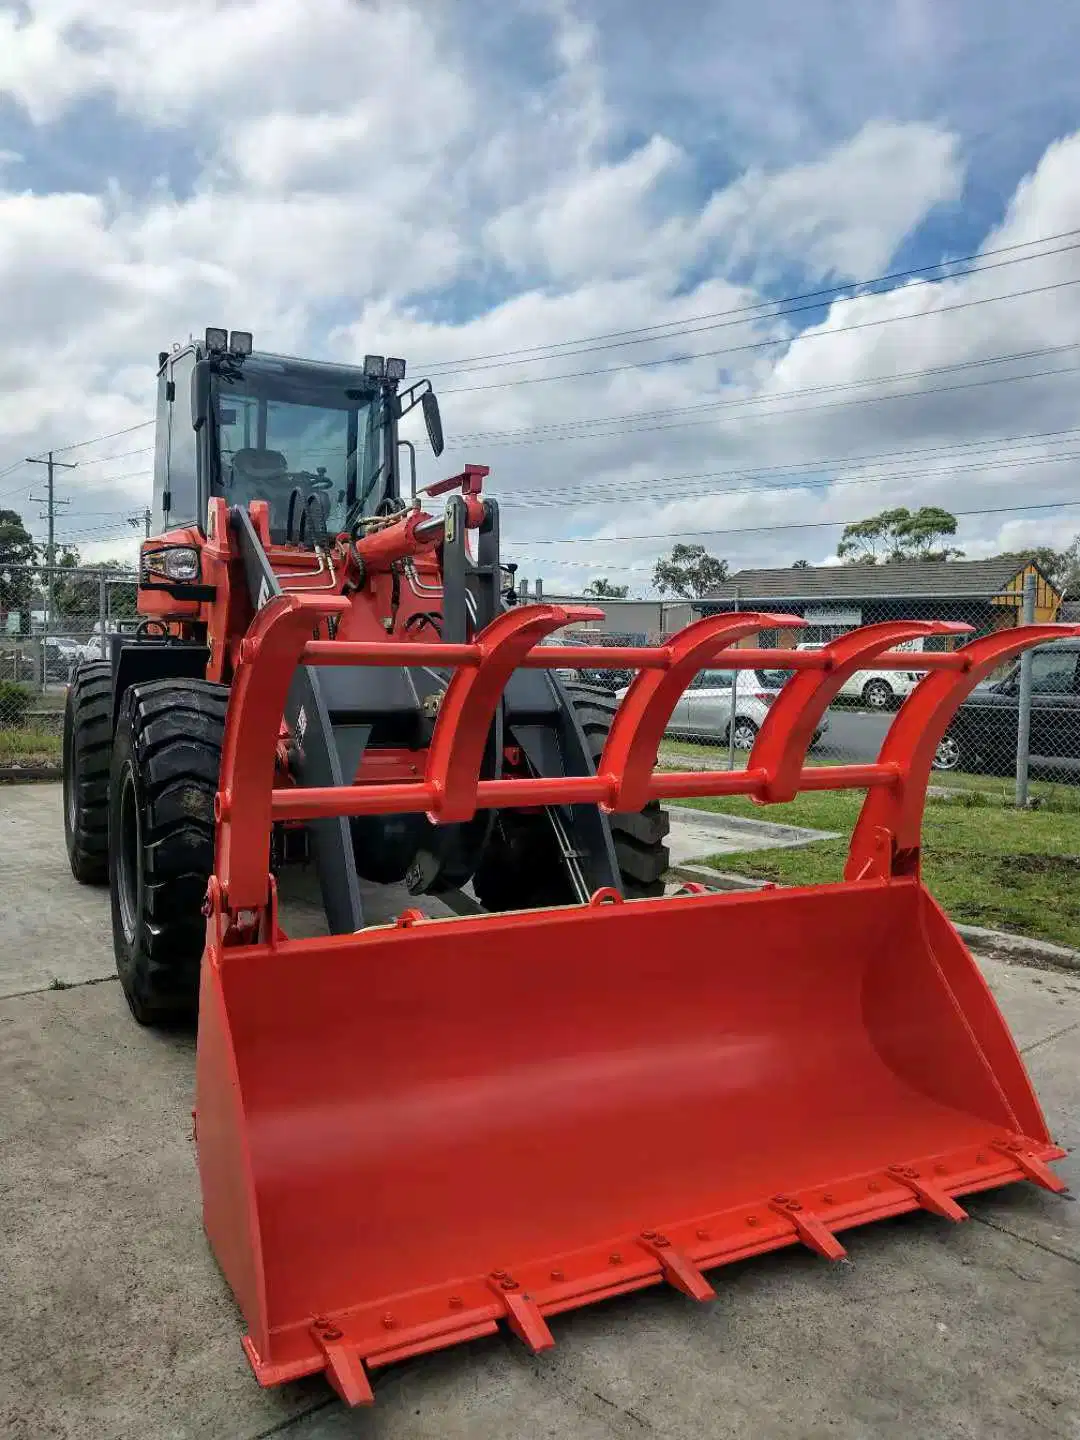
[181,564]
[240,342]
[374,367]
[217,340]
[395,368]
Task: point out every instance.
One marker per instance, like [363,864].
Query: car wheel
[877,694]
[951,753]
[745,733]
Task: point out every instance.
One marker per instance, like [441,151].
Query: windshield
[287,432]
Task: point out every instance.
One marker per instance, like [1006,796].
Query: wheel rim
[877,696]
[127,866]
[947,755]
[745,735]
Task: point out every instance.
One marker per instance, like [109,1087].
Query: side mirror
[433,421]
[200,395]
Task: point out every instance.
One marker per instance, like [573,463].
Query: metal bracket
[929,1195]
[344,1367]
[1019,1152]
[809,1227]
[522,1313]
[677,1268]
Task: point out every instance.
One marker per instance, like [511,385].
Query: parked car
[704,710]
[877,689]
[982,734]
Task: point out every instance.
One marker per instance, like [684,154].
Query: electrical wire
[771,307]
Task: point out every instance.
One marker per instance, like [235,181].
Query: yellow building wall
[1047,599]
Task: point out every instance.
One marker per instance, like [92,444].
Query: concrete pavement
[115,1323]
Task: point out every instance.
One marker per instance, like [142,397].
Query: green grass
[987,865]
[30,746]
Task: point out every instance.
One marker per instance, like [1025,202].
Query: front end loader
[411,1133]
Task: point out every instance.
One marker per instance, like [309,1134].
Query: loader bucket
[410,1135]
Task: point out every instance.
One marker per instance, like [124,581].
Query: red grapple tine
[344,1367]
[678,1269]
[468,705]
[1036,1170]
[785,735]
[523,1316]
[912,742]
[810,1228]
[930,1196]
[639,725]
[269,654]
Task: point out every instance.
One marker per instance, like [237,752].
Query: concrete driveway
[114,1321]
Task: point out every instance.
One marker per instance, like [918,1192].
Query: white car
[877,689]
[704,709]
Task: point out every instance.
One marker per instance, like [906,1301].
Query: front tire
[88,739]
[164,775]
[521,867]
[952,753]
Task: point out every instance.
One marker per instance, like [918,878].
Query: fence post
[1023,729]
[103,609]
[734,702]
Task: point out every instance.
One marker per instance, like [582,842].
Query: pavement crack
[283,1426]
[1057,1034]
[56,984]
[1026,1239]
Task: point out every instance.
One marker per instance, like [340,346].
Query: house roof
[902,579]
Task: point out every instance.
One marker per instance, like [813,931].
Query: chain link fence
[1017,737]
[49,625]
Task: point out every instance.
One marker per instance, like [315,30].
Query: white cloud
[363,181]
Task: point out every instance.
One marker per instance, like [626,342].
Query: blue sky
[453,181]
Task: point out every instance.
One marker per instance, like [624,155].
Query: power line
[765,344]
[96,439]
[564,430]
[784,525]
[607,491]
[721,319]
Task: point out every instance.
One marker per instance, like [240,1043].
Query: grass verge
[1007,869]
[30,746]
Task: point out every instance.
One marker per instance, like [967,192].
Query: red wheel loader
[411,1133]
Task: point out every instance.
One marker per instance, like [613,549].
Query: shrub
[14,703]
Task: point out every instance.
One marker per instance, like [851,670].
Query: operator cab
[317,441]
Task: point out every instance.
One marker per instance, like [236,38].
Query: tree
[18,559]
[604,590]
[689,571]
[801,565]
[899,534]
[78,591]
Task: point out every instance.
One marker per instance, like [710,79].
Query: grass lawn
[987,865]
[30,747]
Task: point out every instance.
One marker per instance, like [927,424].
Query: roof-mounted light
[240,343]
[395,368]
[217,341]
[374,367]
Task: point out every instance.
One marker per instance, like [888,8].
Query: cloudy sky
[632,242]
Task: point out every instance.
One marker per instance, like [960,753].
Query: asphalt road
[854,735]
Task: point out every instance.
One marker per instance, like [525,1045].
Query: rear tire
[164,775]
[877,695]
[521,867]
[88,738]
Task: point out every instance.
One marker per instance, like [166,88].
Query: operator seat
[258,475]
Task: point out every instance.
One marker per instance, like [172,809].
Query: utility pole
[50,503]
[144,518]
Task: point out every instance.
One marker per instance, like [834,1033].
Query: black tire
[88,738]
[522,868]
[164,775]
[878,695]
